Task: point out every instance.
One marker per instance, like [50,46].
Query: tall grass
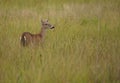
[83,48]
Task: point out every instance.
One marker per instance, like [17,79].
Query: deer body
[28,38]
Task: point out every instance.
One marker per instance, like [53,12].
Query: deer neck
[42,32]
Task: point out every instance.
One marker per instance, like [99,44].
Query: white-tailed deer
[28,38]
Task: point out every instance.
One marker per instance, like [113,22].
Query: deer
[28,38]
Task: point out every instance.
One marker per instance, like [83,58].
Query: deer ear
[42,21]
[46,20]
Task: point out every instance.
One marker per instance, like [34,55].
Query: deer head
[46,24]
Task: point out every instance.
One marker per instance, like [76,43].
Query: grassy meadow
[83,48]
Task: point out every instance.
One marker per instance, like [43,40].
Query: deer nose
[52,27]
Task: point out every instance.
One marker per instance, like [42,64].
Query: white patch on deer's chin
[25,38]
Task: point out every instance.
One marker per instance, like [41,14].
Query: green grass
[83,48]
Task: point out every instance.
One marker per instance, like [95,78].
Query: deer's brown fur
[28,38]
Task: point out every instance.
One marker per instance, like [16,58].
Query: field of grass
[83,48]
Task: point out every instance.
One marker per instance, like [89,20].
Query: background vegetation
[83,48]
